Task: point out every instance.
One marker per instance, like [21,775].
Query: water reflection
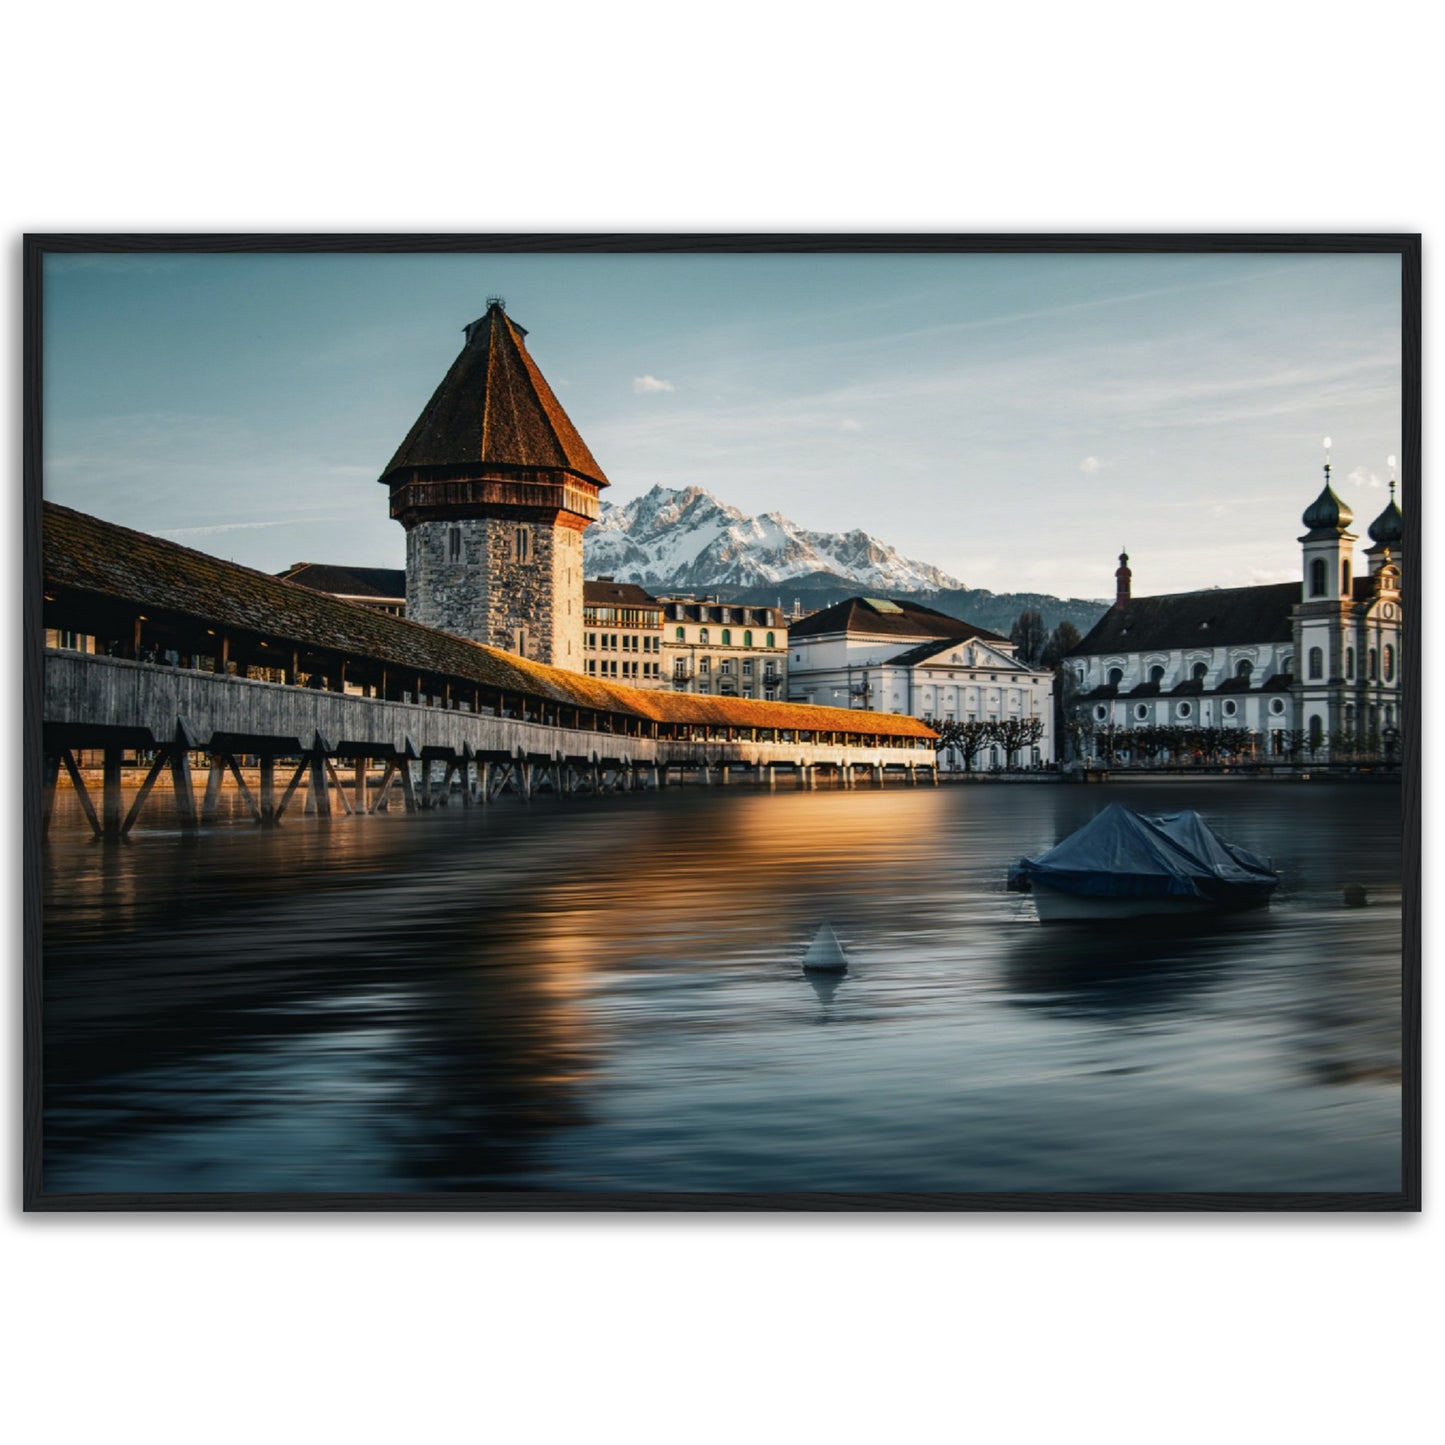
[607,994]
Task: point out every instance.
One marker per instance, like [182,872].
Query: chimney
[1122,577]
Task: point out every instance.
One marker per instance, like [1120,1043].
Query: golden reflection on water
[601,994]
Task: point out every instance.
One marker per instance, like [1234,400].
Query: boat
[825,954]
[1122,864]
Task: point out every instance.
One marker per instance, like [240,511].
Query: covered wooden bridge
[161,653]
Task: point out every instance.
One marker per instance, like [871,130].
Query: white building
[1312,664]
[880,655]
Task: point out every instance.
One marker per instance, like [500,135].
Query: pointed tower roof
[1388,529]
[494,407]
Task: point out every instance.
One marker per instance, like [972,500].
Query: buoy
[825,954]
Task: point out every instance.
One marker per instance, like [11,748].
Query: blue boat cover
[1123,854]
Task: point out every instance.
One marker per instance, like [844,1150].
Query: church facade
[1309,668]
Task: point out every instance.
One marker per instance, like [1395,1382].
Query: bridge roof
[103,565]
[495,406]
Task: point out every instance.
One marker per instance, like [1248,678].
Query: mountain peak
[685,539]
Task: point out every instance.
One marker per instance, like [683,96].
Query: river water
[604,995]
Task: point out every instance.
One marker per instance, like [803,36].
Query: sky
[1014,420]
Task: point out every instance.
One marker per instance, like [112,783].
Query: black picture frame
[1407,247]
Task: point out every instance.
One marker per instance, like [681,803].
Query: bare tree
[1030,637]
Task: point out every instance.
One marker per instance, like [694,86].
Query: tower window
[1350,663]
[1317,577]
[519,641]
[1389,663]
[1345,578]
[1374,664]
[454,544]
[1317,664]
[523,544]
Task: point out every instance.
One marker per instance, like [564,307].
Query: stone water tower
[495,487]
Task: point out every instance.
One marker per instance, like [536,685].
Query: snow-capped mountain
[688,540]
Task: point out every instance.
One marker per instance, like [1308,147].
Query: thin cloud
[1090,464]
[848,424]
[642,385]
[1363,477]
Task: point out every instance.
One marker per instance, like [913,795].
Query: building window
[1350,663]
[1243,668]
[1317,732]
[704,687]
[1185,709]
[727,663]
[1276,706]
[1116,676]
[1389,663]
[523,544]
[1374,664]
[747,667]
[1317,664]
[770,639]
[681,635]
[704,666]
[1156,674]
[1317,577]
[519,642]
[1101,712]
[727,637]
[747,639]
[1230,707]
[1345,578]
[454,544]
[770,671]
[1141,712]
[1199,671]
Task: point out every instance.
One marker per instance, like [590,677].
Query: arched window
[1389,663]
[747,639]
[1317,663]
[1199,671]
[1116,676]
[1350,663]
[1317,577]
[1345,578]
[1317,732]
[1156,674]
[1243,668]
[1374,664]
[702,635]
[770,639]
[727,636]
[681,634]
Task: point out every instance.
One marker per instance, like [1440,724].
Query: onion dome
[1388,529]
[1327,513]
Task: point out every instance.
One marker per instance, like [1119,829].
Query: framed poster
[686,722]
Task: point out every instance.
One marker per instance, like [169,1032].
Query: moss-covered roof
[100,560]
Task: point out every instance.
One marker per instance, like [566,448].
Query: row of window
[622,641]
[607,667]
[1372,664]
[1228,708]
[770,694]
[1319,574]
[1243,668]
[704,637]
[725,666]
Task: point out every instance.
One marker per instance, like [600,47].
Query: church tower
[495,487]
[1324,657]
